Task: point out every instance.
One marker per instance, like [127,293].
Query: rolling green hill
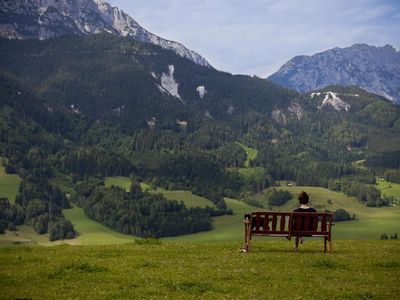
[356,270]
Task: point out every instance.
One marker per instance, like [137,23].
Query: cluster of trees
[41,205]
[140,213]
[366,193]
[392,175]
[10,215]
[91,161]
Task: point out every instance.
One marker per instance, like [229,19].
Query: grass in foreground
[9,185]
[207,270]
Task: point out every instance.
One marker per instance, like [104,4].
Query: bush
[278,197]
[341,215]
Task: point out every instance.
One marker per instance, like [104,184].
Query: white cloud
[256,37]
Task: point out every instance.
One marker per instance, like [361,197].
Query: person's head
[303,198]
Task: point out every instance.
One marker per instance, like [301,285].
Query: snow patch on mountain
[333,99]
[168,82]
[201,90]
[231,109]
[314,94]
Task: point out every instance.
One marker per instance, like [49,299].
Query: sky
[256,37]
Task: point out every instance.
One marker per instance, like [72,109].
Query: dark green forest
[90,107]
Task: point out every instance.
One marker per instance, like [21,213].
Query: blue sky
[258,36]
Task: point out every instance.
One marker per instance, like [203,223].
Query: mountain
[77,108]
[375,69]
[43,19]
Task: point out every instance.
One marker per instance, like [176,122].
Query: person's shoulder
[311,209]
[298,210]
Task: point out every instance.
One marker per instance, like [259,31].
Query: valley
[370,222]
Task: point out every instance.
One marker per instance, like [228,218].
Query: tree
[135,190]
[384,236]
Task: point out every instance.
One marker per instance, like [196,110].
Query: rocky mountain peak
[43,19]
[376,69]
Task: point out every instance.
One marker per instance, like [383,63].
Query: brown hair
[303,198]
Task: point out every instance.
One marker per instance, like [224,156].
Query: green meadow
[356,270]
[93,233]
[250,152]
[389,189]
[370,223]
[9,184]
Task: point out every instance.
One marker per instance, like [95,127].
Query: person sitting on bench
[304,207]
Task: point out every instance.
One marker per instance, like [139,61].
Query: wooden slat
[274,217]
[257,221]
[323,223]
[283,223]
[307,222]
[266,221]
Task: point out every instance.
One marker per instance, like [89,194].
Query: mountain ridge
[43,19]
[376,69]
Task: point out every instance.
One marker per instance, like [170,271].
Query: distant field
[9,185]
[93,233]
[124,182]
[187,197]
[356,270]
[389,189]
[226,228]
[370,224]
[251,154]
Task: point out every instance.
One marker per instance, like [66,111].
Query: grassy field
[187,197]
[370,222]
[389,189]
[9,184]
[251,154]
[226,228]
[206,271]
[93,233]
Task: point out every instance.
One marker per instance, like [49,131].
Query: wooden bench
[288,225]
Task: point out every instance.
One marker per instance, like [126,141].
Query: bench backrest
[311,223]
[290,223]
[270,222]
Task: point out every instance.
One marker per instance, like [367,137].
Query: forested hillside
[82,108]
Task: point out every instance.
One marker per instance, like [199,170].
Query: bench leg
[247,238]
[330,246]
[325,240]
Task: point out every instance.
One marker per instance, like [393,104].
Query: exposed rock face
[43,19]
[376,69]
